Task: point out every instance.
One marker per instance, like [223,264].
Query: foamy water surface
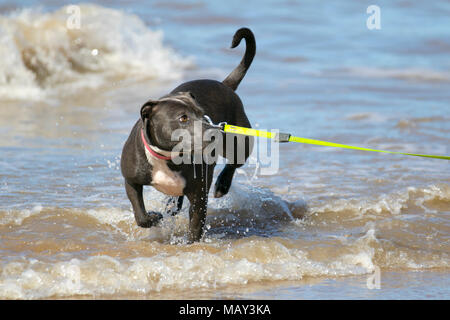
[317,228]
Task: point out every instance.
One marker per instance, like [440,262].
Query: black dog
[147,156]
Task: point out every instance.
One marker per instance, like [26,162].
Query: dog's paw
[150,220]
[154,216]
[223,182]
[221,189]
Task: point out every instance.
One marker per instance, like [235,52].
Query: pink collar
[149,149]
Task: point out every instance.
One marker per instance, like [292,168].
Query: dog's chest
[164,179]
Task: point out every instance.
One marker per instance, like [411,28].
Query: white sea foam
[40,54]
[392,203]
[216,262]
[208,266]
[16,217]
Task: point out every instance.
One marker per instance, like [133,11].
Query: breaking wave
[44,54]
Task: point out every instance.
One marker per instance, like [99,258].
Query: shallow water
[317,228]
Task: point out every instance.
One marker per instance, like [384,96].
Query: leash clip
[220,125]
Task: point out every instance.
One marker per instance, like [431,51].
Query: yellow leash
[286,137]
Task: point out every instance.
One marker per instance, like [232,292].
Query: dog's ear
[187,94]
[147,108]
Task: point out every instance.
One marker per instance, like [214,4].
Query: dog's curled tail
[235,77]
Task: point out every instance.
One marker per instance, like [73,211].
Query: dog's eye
[184,118]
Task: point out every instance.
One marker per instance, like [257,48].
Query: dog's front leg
[197,214]
[197,193]
[143,219]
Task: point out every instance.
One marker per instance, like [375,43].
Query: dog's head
[173,116]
